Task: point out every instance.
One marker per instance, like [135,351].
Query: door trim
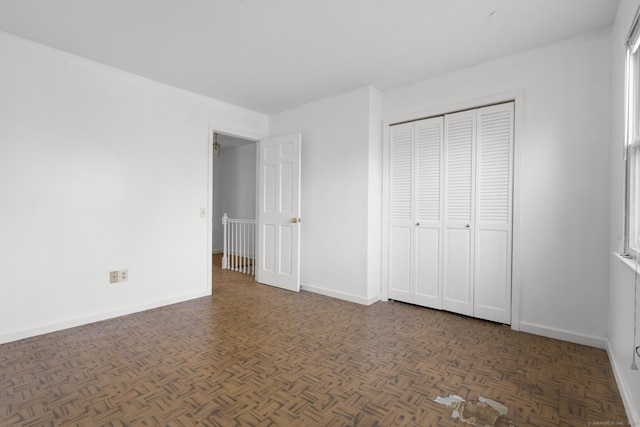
[517,96]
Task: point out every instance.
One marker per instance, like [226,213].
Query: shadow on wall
[234,184]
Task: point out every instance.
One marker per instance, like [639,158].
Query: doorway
[276,167]
[232,189]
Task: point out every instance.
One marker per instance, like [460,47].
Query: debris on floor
[482,412]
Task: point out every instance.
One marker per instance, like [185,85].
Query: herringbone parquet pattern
[258,356]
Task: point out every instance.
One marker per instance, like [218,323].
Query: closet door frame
[517,97]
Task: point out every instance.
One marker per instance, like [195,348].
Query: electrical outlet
[113,277]
[123,275]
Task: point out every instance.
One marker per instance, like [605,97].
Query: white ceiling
[271,55]
[228,141]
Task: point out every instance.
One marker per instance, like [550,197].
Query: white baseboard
[71,323]
[633,413]
[564,335]
[339,295]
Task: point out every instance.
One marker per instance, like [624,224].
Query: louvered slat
[459,167]
[400,171]
[494,161]
[429,155]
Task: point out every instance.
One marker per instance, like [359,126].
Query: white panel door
[279,212]
[428,212]
[494,177]
[458,252]
[401,211]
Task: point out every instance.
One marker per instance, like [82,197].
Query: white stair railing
[239,243]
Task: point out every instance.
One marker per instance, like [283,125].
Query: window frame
[631,149]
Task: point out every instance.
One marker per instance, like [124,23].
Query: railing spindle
[225,250]
[239,245]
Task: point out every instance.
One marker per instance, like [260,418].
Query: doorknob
[468,225]
[294,220]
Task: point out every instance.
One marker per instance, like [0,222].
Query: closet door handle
[417,224]
[468,225]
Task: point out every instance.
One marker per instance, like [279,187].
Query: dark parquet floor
[258,356]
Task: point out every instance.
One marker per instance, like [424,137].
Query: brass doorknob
[293,220]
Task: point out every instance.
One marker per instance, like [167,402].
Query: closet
[450,212]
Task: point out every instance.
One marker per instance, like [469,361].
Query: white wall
[99,170]
[562,172]
[234,183]
[336,139]
[621,278]
[239,180]
[374,240]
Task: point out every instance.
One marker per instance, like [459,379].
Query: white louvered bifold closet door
[415,239]
[450,213]
[494,177]
[401,211]
[428,212]
[459,158]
